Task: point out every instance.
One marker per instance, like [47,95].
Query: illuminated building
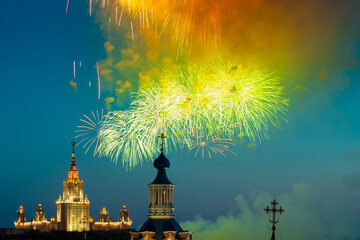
[39,213]
[73,210]
[21,215]
[104,215]
[107,223]
[124,215]
[38,223]
[161,223]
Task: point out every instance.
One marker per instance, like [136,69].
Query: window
[156,197]
[164,197]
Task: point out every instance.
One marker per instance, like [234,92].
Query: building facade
[107,223]
[73,210]
[161,223]
[38,223]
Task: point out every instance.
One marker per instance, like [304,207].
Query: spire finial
[274,210]
[73,152]
[162,136]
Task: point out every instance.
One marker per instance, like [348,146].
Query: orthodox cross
[162,136]
[274,210]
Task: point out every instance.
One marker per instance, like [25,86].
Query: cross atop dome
[162,136]
[162,163]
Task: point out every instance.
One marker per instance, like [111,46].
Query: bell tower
[161,192]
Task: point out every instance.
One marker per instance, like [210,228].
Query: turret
[21,215]
[124,214]
[39,213]
[104,215]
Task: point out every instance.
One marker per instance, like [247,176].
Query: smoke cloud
[325,209]
[303,41]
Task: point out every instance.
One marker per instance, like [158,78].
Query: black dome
[161,163]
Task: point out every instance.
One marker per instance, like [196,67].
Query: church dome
[161,163]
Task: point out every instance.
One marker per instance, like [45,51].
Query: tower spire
[274,210]
[73,174]
[73,153]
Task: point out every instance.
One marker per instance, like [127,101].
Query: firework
[90,7]
[132,31]
[209,144]
[221,99]
[98,77]
[187,21]
[120,17]
[122,137]
[67,6]
[90,131]
[217,101]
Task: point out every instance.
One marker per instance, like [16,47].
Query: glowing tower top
[73,188]
[73,209]
[73,175]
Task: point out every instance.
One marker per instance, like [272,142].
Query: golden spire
[73,153]
[73,175]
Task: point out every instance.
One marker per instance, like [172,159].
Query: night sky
[310,164]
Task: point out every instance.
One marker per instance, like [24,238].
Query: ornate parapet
[147,235]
